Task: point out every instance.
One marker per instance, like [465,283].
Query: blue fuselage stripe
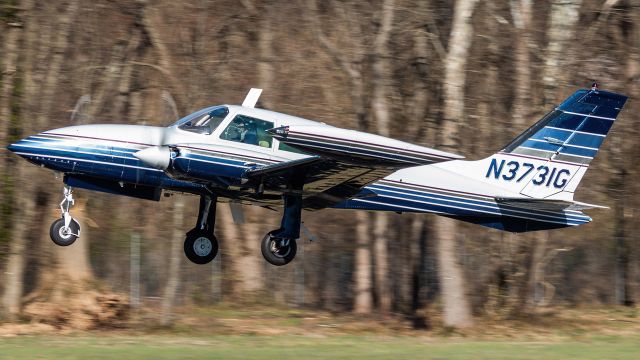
[463,204]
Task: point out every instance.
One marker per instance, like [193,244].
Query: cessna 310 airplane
[231,153]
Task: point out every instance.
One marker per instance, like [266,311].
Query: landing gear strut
[66,230]
[279,246]
[200,245]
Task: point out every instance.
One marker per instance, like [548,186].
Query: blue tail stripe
[586,140]
[566,121]
[605,99]
[596,126]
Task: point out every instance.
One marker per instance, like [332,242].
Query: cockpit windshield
[204,121]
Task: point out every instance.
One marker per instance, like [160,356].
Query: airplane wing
[342,162]
[545,204]
[325,181]
[358,147]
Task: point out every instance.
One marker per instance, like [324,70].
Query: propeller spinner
[158,157]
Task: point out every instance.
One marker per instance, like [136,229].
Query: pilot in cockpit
[248,134]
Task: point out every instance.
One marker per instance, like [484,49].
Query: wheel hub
[280,247]
[202,246]
[64,232]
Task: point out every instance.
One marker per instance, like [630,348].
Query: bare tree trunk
[632,72]
[521,13]
[562,27]
[363,302]
[416,263]
[419,106]
[421,88]
[14,271]
[381,251]
[455,72]
[382,69]
[150,20]
[382,116]
[60,45]
[456,312]
[265,66]
[10,68]
[175,257]
[241,242]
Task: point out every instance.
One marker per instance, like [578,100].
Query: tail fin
[549,159]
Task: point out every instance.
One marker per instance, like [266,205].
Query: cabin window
[284,147]
[248,130]
[204,121]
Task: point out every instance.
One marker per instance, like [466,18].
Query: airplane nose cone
[12,148]
[157,157]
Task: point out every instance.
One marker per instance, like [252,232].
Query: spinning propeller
[159,156]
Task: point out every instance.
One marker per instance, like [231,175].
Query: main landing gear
[200,245]
[66,230]
[279,246]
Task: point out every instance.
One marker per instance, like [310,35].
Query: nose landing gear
[200,245]
[66,230]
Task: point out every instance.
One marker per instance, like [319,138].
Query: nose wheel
[64,235]
[66,230]
[200,245]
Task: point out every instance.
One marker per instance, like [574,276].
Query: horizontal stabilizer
[545,204]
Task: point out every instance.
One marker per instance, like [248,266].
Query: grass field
[96,346]
[232,332]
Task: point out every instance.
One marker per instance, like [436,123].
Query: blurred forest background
[463,76]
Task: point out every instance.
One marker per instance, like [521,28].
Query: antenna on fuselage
[252,97]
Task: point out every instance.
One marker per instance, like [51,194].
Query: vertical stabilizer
[549,159]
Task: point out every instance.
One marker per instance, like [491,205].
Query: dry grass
[551,324]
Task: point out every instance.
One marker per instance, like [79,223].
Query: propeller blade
[237,213]
[170,113]
[79,113]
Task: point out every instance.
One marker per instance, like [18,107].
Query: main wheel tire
[62,236]
[200,248]
[278,251]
